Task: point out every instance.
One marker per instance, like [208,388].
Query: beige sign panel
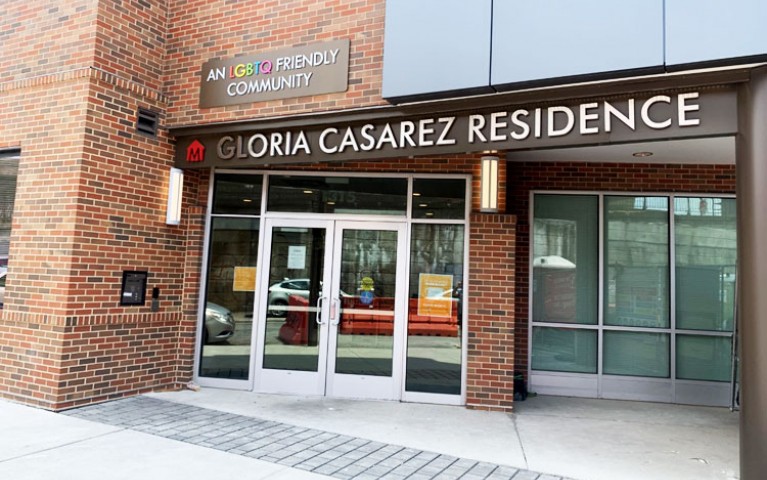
[244,279]
[296,72]
[435,295]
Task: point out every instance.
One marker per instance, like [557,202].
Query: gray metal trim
[751,171]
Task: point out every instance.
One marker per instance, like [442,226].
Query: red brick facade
[91,192]
[490,382]
[89,205]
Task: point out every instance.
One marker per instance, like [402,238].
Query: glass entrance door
[331,321]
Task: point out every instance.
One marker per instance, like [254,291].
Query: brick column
[490,379]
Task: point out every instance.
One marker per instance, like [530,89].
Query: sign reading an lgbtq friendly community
[296,72]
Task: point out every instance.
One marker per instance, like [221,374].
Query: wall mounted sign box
[295,72]
[133,291]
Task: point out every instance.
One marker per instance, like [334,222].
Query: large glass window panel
[230,293]
[706,255]
[439,198]
[636,290]
[237,194]
[435,309]
[565,258]
[636,353]
[368,286]
[701,357]
[564,350]
[352,195]
[296,267]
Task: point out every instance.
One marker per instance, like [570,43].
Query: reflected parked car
[219,323]
[3,273]
[281,291]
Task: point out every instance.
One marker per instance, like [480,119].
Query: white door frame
[368,386]
[290,381]
[324,381]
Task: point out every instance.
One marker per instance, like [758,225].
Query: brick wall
[90,204]
[490,367]
[524,177]
[131,38]
[45,37]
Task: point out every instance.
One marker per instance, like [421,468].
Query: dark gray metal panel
[594,121]
[541,39]
[751,171]
[436,46]
[705,30]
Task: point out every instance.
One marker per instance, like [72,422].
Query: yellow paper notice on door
[435,295]
[244,279]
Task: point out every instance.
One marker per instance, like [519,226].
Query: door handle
[318,317]
[335,311]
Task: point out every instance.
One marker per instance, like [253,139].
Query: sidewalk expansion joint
[62,445]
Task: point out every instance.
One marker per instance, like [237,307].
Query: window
[435,309]
[231,278]
[9,167]
[664,269]
[352,195]
[439,198]
[636,261]
[237,194]
[565,263]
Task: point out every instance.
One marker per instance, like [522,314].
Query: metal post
[751,168]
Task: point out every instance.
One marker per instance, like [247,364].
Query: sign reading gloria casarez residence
[295,72]
[391,134]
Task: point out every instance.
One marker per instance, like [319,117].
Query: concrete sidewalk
[40,445]
[560,437]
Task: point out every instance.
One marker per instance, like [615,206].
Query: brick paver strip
[317,451]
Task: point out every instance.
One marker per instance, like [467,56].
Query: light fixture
[489,184]
[423,205]
[308,192]
[416,194]
[175,191]
[247,200]
[642,154]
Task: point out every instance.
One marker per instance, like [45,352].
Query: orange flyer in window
[435,295]
[244,279]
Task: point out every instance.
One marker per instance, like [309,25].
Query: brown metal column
[751,165]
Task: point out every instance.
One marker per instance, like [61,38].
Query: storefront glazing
[639,286]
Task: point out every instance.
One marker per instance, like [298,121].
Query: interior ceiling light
[247,200]
[642,154]
[331,203]
[422,205]
[416,194]
[308,191]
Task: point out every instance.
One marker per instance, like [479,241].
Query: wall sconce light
[489,184]
[175,189]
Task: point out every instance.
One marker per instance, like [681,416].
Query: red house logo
[195,152]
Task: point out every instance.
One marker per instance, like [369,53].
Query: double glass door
[331,321]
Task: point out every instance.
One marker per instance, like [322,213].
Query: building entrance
[335,285]
[332,320]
